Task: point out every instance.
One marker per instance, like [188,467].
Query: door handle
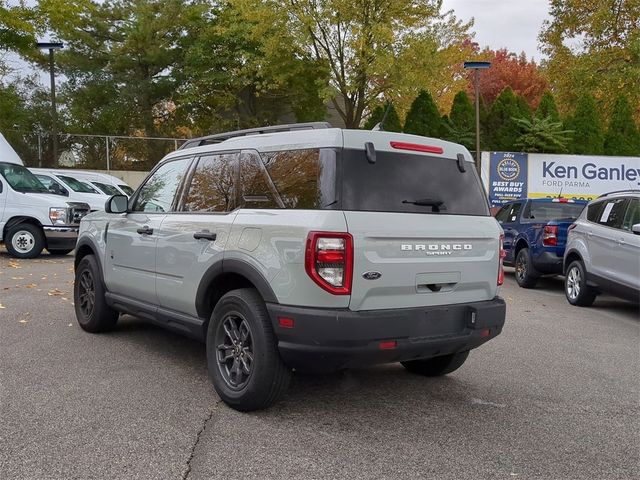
[205,234]
[145,230]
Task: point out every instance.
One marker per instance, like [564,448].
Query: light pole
[476,67]
[52,46]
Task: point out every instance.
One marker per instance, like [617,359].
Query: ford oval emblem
[371,275]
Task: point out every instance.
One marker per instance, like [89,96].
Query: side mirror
[636,229]
[116,204]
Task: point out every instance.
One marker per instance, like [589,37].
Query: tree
[585,123]
[391,122]
[622,137]
[423,117]
[501,125]
[593,46]
[547,107]
[17,26]
[542,135]
[372,49]
[459,126]
[523,76]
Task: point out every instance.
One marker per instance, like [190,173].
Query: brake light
[416,147]
[502,254]
[329,261]
[550,236]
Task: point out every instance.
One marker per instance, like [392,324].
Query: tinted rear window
[397,179]
[555,211]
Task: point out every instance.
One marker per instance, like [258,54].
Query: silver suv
[301,247]
[603,250]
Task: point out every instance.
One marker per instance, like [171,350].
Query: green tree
[18,25]
[543,135]
[423,117]
[371,48]
[588,138]
[459,126]
[622,137]
[547,107]
[391,122]
[593,46]
[501,126]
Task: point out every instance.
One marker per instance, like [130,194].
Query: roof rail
[221,137]
[630,190]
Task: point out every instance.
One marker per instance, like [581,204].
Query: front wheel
[526,274]
[92,312]
[437,366]
[242,355]
[24,240]
[575,285]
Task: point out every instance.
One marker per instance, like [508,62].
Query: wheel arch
[570,256]
[18,219]
[85,247]
[520,244]
[224,276]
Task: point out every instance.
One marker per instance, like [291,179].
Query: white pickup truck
[31,218]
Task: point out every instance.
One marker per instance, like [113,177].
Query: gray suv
[603,250]
[301,247]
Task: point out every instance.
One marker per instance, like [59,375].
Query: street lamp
[52,46]
[477,66]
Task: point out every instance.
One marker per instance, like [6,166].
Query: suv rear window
[397,181]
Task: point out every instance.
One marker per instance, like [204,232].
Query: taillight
[502,254]
[328,261]
[550,236]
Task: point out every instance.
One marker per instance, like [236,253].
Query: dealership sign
[509,175]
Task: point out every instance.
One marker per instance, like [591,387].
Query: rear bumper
[549,262]
[61,238]
[326,340]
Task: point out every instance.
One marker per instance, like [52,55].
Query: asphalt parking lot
[555,396]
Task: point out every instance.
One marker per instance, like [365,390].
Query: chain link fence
[94,152]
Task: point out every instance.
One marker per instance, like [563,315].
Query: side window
[211,187]
[632,217]
[613,213]
[503,214]
[594,211]
[158,192]
[256,187]
[513,215]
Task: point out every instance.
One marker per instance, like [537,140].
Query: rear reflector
[388,345]
[416,147]
[485,332]
[286,322]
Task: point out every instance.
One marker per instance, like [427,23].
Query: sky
[512,24]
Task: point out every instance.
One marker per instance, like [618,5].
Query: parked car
[303,247]
[31,218]
[107,184]
[64,183]
[603,250]
[535,233]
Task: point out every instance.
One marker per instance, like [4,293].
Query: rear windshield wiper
[427,202]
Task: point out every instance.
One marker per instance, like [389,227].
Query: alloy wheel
[573,282]
[234,350]
[521,267]
[86,293]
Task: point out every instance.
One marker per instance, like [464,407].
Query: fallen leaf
[71,324]
[23,321]
[31,285]
[56,293]
[2,306]
[17,278]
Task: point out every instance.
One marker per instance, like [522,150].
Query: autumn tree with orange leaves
[509,70]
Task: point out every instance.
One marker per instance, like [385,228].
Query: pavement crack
[187,470]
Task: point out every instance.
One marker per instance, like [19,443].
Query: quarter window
[159,191]
[594,211]
[613,213]
[211,187]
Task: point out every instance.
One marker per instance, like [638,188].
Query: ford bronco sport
[301,247]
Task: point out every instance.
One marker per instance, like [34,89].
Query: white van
[105,183]
[32,218]
[65,183]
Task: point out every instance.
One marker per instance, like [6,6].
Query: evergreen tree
[588,138]
[547,107]
[542,135]
[423,117]
[502,129]
[622,137]
[459,127]
[391,123]
[524,110]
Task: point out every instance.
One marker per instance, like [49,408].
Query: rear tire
[24,240]
[575,285]
[92,312]
[242,354]
[437,366]
[526,274]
